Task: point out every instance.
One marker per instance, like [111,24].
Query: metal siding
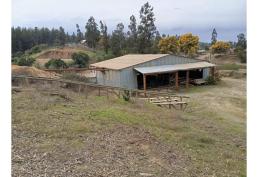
[206,73]
[127,77]
[110,78]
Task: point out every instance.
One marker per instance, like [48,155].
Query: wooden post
[187,79]
[144,84]
[177,81]
[107,94]
[213,72]
[86,89]
[181,105]
[79,89]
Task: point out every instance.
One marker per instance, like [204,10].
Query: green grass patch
[231,67]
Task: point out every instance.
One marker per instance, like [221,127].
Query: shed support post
[213,72]
[177,81]
[187,79]
[144,84]
[86,89]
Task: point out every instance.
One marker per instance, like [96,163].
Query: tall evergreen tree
[92,33]
[214,36]
[241,41]
[155,48]
[73,37]
[79,33]
[118,40]
[62,36]
[132,34]
[104,36]
[146,29]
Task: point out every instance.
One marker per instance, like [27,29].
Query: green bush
[126,95]
[242,55]
[211,80]
[74,77]
[55,64]
[81,59]
[24,60]
[35,49]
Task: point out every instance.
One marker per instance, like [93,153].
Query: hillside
[65,53]
[53,136]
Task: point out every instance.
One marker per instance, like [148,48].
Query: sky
[173,17]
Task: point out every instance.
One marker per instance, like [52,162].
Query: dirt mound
[32,71]
[58,53]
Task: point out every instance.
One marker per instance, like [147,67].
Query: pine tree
[73,37]
[214,36]
[132,35]
[118,40]
[92,33]
[104,36]
[62,36]
[79,33]
[146,29]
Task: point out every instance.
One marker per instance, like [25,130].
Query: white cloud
[170,14]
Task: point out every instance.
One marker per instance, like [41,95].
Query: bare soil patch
[32,71]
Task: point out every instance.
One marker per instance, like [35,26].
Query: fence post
[79,89]
[119,93]
[181,105]
[107,94]
[86,88]
[26,82]
[99,91]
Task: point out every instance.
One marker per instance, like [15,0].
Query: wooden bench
[182,104]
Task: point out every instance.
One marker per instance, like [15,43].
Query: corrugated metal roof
[171,68]
[127,61]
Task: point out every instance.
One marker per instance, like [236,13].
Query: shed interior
[156,80]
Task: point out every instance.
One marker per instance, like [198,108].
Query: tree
[214,36]
[241,47]
[146,29]
[132,34]
[169,45]
[73,37]
[104,41]
[220,47]
[155,48]
[92,33]
[241,41]
[188,44]
[55,64]
[62,36]
[81,59]
[118,39]
[79,33]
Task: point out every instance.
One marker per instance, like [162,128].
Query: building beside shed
[143,71]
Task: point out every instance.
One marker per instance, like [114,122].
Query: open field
[53,136]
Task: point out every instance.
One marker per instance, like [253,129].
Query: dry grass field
[53,136]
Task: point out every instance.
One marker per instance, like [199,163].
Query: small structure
[143,71]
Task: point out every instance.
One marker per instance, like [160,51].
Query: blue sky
[172,16]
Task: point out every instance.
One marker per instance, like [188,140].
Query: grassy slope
[207,140]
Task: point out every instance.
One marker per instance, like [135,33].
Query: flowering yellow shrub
[220,47]
[189,44]
[169,45]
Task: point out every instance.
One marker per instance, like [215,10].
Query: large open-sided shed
[142,71]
